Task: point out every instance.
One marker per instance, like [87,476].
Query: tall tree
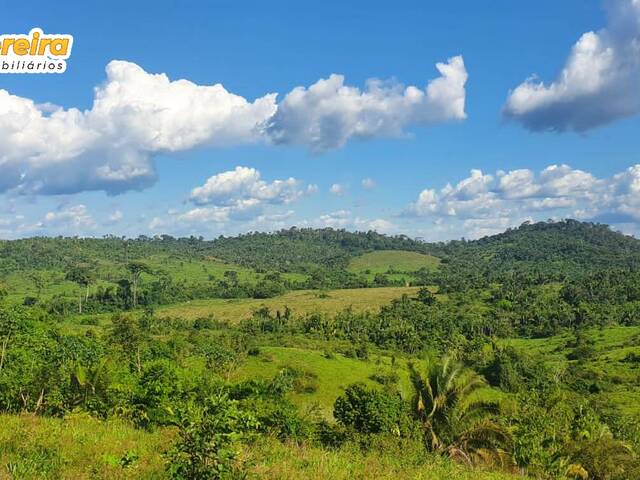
[136,269]
[82,276]
[38,282]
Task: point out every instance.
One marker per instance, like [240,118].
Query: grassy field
[300,301]
[399,261]
[78,448]
[276,461]
[331,373]
[82,448]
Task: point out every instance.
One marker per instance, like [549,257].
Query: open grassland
[78,448]
[300,302]
[382,261]
[274,460]
[82,448]
[329,374]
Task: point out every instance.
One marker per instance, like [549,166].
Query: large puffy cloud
[136,115]
[156,114]
[599,83]
[328,114]
[470,196]
[482,202]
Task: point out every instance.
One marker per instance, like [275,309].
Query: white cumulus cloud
[329,113]
[135,115]
[557,191]
[598,84]
[110,147]
[245,183]
[240,197]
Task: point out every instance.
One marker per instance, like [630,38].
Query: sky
[437,120]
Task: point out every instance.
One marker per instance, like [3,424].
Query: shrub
[205,449]
[368,410]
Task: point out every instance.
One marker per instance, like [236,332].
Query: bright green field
[333,375]
[398,260]
[300,301]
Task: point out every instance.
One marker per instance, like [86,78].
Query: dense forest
[511,356]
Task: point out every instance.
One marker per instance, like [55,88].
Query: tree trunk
[135,291]
[4,351]
[138,361]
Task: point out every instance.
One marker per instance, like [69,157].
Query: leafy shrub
[368,410]
[205,449]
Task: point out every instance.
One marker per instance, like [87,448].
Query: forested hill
[297,249]
[547,250]
[292,250]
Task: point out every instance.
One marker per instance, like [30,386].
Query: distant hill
[297,249]
[547,250]
[550,249]
[292,250]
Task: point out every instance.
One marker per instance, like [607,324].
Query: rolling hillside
[397,261]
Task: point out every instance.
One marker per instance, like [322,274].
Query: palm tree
[455,419]
[89,381]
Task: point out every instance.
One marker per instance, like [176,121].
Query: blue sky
[515,150]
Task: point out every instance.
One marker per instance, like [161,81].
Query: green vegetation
[398,265]
[301,301]
[383,260]
[322,354]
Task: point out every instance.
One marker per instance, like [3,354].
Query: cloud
[598,84]
[337,219]
[380,225]
[239,196]
[346,220]
[329,113]
[368,183]
[75,217]
[245,183]
[469,197]
[114,217]
[476,203]
[337,189]
[110,147]
[136,115]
